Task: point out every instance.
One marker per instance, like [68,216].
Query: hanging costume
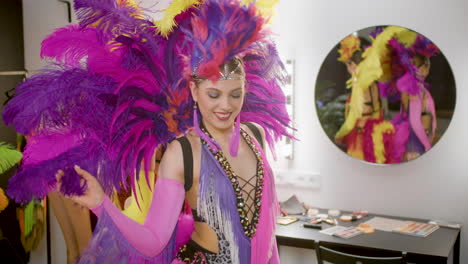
[118,91]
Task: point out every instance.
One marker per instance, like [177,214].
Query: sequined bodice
[248,192]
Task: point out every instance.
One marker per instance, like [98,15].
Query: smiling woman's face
[220,102]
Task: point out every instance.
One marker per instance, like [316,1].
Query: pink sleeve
[151,237]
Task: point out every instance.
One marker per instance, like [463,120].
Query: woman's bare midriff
[206,237]
[203,234]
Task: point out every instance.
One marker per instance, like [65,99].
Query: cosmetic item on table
[303,218]
[286,220]
[314,226]
[385,224]
[316,221]
[361,213]
[349,218]
[416,229]
[332,230]
[334,212]
[330,221]
[366,228]
[447,224]
[349,232]
[312,212]
[292,206]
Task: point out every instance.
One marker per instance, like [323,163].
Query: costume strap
[256,132]
[188,162]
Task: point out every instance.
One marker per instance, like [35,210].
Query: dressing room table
[435,248]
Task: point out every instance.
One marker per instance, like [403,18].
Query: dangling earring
[200,133]
[235,138]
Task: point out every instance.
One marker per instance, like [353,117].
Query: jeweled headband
[225,74]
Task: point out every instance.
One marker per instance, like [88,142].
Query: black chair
[345,254]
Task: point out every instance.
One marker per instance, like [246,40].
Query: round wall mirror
[385,94]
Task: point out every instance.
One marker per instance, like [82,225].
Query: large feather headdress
[348,46]
[116,90]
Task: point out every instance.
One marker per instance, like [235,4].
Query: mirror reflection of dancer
[393,61]
[364,132]
[419,106]
[411,67]
[351,55]
[122,92]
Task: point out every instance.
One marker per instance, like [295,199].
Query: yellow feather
[348,46]
[95,24]
[377,138]
[145,196]
[265,7]
[167,23]
[374,67]
[3,200]
[114,45]
[138,11]
[407,37]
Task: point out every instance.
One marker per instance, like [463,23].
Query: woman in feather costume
[371,137]
[407,62]
[119,90]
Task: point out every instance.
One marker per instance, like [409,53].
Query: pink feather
[235,138]
[71,44]
[431,106]
[415,121]
[408,84]
[368,142]
[185,226]
[400,139]
[200,133]
[46,147]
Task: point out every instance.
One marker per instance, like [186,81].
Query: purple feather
[405,72]
[114,18]
[108,15]
[34,181]
[66,108]
[222,30]
[53,97]
[424,47]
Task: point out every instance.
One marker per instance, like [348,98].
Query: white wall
[58,247]
[433,186]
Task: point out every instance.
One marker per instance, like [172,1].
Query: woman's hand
[93,195]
